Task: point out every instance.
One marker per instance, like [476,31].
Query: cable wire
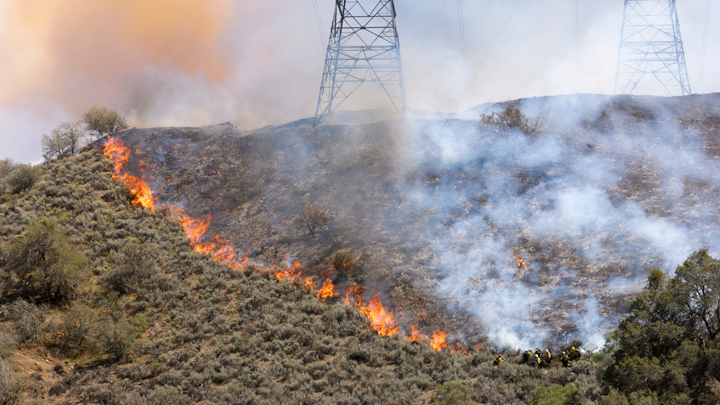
[316,9]
[705,42]
[476,72]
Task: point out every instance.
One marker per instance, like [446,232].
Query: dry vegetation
[157,323]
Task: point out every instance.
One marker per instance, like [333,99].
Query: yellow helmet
[573,348]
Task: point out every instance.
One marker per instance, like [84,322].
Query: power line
[575,43]
[316,8]
[461,22]
[705,42]
[476,72]
[447,27]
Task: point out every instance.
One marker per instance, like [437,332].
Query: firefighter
[537,361]
[526,356]
[499,360]
[549,356]
[538,351]
[565,360]
[575,354]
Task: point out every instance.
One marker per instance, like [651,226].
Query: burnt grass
[217,336]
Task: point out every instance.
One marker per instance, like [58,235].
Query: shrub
[454,393]
[311,219]
[6,168]
[342,262]
[77,326]
[43,266]
[135,263]
[9,391]
[117,339]
[614,397]
[29,320]
[8,344]
[511,119]
[23,177]
[556,395]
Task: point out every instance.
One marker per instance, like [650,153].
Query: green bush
[454,393]
[556,395]
[117,339]
[342,262]
[77,327]
[23,177]
[43,266]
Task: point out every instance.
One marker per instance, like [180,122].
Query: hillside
[183,328]
[437,213]
[210,293]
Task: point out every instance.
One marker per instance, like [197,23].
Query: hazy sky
[253,63]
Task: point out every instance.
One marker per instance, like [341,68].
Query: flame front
[438,340]
[223,252]
[381,320]
[327,290]
[116,150]
[290,274]
[415,336]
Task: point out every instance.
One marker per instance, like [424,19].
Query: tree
[511,119]
[311,219]
[104,121]
[42,265]
[63,141]
[668,348]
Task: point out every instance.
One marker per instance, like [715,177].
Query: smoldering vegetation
[437,211]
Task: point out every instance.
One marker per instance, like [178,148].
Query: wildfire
[290,274]
[327,290]
[414,337]
[438,340]
[116,150]
[223,251]
[520,263]
[381,320]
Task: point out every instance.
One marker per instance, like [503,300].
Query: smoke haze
[183,62]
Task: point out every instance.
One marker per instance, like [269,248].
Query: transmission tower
[651,44]
[364,47]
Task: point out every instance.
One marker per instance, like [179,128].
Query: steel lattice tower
[364,47]
[651,44]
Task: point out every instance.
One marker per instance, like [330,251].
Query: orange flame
[381,320]
[438,340]
[309,284]
[290,274]
[327,290]
[415,336]
[195,228]
[116,150]
[520,263]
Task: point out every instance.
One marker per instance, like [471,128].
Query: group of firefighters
[543,359]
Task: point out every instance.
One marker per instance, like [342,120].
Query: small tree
[29,320]
[104,121]
[512,119]
[63,141]
[77,325]
[311,219]
[342,262]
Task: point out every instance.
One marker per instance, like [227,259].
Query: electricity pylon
[364,47]
[651,44]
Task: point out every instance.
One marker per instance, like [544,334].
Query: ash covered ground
[436,211]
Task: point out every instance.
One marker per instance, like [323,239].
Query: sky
[257,63]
